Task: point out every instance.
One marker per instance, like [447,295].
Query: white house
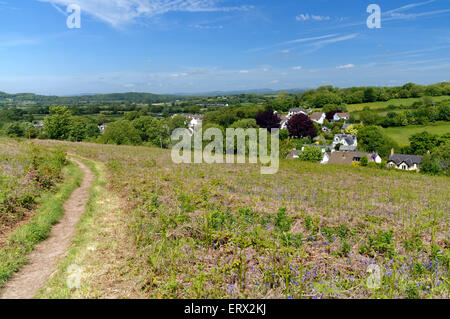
[297,111]
[404,162]
[326,158]
[38,125]
[318,117]
[345,139]
[194,122]
[102,127]
[341,116]
[284,119]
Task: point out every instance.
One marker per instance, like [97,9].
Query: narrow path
[44,259]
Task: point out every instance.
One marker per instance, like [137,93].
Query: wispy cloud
[19,42]
[302,40]
[345,66]
[408,6]
[397,14]
[295,41]
[307,16]
[121,12]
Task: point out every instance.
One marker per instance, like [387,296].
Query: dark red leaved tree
[300,125]
[268,119]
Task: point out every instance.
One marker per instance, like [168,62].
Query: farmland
[309,231]
[401,134]
[397,102]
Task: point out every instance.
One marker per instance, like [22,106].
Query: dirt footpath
[46,255]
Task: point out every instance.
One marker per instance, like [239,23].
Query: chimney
[392,151]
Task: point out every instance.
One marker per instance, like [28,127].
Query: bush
[311,154]
[364,161]
[282,221]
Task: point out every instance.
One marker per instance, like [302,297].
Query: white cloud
[308,39]
[121,12]
[297,68]
[396,14]
[408,6]
[345,66]
[307,16]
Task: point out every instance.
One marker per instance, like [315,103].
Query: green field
[396,102]
[401,134]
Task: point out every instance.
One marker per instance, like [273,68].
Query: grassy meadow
[309,231]
[26,172]
[402,134]
[397,102]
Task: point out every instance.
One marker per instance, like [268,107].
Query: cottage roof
[297,110]
[349,139]
[347,158]
[343,114]
[351,148]
[410,160]
[316,116]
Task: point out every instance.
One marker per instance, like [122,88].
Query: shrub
[311,154]
[282,221]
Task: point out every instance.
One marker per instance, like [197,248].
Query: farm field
[401,134]
[396,102]
[309,231]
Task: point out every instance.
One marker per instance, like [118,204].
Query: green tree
[77,129]
[245,124]
[178,121]
[15,129]
[57,125]
[372,139]
[121,132]
[370,95]
[421,143]
[159,133]
[430,165]
[143,124]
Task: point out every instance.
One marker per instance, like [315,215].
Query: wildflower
[231,288]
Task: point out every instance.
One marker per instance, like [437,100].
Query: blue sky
[172,46]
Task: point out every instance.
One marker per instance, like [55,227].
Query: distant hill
[30,99]
[237,92]
[27,99]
